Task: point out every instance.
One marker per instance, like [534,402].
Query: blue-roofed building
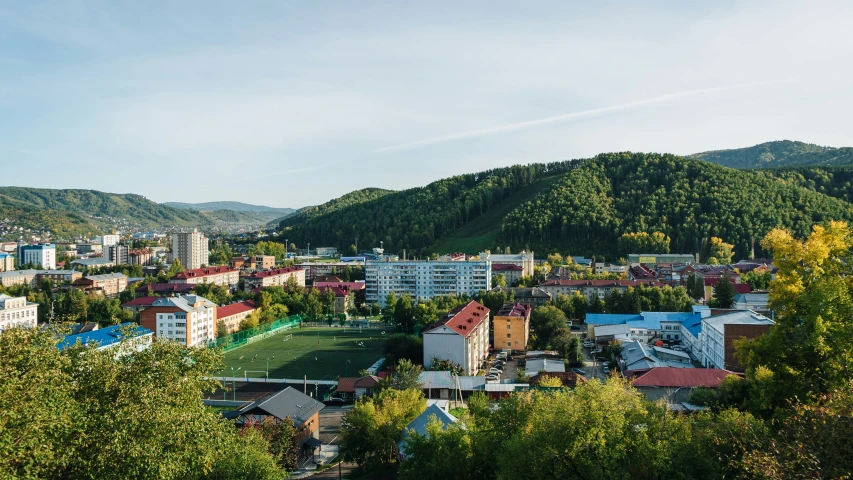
[674,327]
[419,425]
[110,337]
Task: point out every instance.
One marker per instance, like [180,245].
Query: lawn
[321,353]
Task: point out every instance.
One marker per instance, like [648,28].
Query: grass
[321,353]
[482,232]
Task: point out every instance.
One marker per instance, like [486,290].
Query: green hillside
[783,153]
[232,206]
[307,213]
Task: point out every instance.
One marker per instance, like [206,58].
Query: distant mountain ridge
[782,153]
[228,205]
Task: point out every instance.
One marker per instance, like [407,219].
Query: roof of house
[204,272]
[759,299]
[524,292]
[106,276]
[604,330]
[463,319]
[184,303]
[569,379]
[611,318]
[275,271]
[536,365]
[739,317]
[430,379]
[370,381]
[419,424]
[103,337]
[140,302]
[346,384]
[162,288]
[674,353]
[681,377]
[348,285]
[738,287]
[602,283]
[514,310]
[235,309]
[286,403]
[506,267]
[327,278]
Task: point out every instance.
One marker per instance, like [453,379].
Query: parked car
[606,370]
[492,377]
[677,348]
[495,371]
[334,402]
[578,371]
[588,344]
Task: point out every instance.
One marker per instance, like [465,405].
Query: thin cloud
[575,115]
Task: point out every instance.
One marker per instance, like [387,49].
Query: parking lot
[509,368]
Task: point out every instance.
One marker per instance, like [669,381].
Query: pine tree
[724,292]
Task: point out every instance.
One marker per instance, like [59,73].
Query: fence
[241,339]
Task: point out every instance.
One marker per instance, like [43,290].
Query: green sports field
[320,353]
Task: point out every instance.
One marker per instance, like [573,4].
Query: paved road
[330,423]
[333,473]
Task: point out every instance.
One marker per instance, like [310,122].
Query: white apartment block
[719,332]
[523,260]
[44,255]
[107,240]
[189,320]
[190,248]
[461,337]
[17,312]
[424,280]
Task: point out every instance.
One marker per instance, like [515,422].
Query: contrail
[570,116]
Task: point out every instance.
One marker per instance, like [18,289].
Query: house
[461,336]
[719,333]
[138,304]
[638,357]
[439,384]
[366,386]
[287,405]
[594,288]
[757,302]
[675,384]
[17,312]
[511,272]
[231,315]
[110,284]
[711,282]
[7,262]
[533,296]
[346,388]
[219,275]
[165,289]
[277,276]
[419,426]
[537,365]
[513,319]
[110,337]
[190,320]
[237,262]
[356,289]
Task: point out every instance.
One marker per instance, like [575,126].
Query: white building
[523,259]
[17,312]
[719,332]
[461,336]
[190,248]
[190,319]
[107,240]
[44,255]
[423,280]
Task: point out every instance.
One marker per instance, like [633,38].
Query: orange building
[512,327]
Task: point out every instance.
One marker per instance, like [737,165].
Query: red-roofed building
[675,384]
[512,320]
[357,289]
[164,289]
[511,272]
[461,336]
[594,288]
[221,275]
[276,276]
[366,385]
[138,304]
[233,314]
[346,388]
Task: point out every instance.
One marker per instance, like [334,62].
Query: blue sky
[293,103]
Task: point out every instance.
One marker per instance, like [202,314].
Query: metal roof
[286,403]
[105,336]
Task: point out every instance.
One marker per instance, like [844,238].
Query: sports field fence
[241,339]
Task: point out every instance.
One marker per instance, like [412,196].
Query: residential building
[44,255]
[110,284]
[719,333]
[317,269]
[641,272]
[233,314]
[653,259]
[139,304]
[534,366]
[291,404]
[7,262]
[108,240]
[600,268]
[111,337]
[345,388]
[757,302]
[264,262]
[276,276]
[190,248]
[461,336]
[94,262]
[219,275]
[165,289]
[511,272]
[118,254]
[533,296]
[594,288]
[647,327]
[366,385]
[674,385]
[523,259]
[190,320]
[237,262]
[17,312]
[424,280]
[87,248]
[8,247]
[34,277]
[512,320]
[144,256]
[710,283]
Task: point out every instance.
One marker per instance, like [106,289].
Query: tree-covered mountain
[585,209]
[233,206]
[783,153]
[352,198]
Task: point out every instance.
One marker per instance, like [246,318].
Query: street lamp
[346,367]
[268,366]
[234,379]
[364,356]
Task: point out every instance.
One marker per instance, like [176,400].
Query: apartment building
[7,262]
[423,280]
[719,333]
[189,320]
[190,248]
[141,257]
[594,288]
[319,269]
[511,272]
[461,336]
[110,284]
[523,259]
[233,314]
[118,254]
[17,312]
[264,262]
[276,276]
[34,277]
[44,255]
[221,275]
[107,240]
[512,327]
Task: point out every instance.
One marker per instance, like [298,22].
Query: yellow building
[512,327]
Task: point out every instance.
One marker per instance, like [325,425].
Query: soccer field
[321,353]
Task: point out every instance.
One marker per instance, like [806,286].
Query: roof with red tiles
[204,272]
[235,308]
[346,384]
[682,377]
[347,285]
[505,267]
[161,288]
[514,310]
[370,381]
[602,283]
[739,287]
[463,319]
[275,271]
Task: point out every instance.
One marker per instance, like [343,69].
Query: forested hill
[783,153]
[688,200]
[586,208]
[233,206]
[352,198]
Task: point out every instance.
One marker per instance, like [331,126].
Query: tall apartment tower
[44,255]
[190,248]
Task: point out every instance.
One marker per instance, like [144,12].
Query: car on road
[606,370]
[578,371]
[492,377]
[334,402]
[588,344]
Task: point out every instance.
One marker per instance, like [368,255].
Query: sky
[289,104]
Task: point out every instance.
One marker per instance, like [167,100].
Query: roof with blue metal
[610,318]
[104,336]
[648,324]
[419,424]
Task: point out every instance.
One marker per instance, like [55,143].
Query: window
[508,335]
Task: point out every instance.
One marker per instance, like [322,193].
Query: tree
[498,280]
[757,281]
[444,365]
[721,251]
[389,309]
[402,346]
[406,376]
[580,305]
[251,321]
[439,453]
[550,382]
[555,259]
[546,321]
[281,437]
[724,292]
[221,329]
